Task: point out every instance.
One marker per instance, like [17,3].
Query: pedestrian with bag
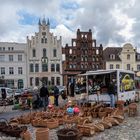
[44,95]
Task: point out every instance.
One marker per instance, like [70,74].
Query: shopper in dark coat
[44,94]
[56,95]
[111,92]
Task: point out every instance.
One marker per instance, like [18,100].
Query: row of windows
[54,81]
[112,56]
[11,58]
[11,70]
[83,58]
[54,67]
[9,48]
[44,53]
[128,67]
[85,66]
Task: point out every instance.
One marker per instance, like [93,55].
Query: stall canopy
[98,72]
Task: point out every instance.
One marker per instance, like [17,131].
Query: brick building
[83,55]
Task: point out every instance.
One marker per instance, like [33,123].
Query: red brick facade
[82,56]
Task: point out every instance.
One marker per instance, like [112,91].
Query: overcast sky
[113,22]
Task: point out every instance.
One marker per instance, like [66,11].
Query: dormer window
[112,56]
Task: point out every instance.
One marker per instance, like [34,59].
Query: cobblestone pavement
[128,130]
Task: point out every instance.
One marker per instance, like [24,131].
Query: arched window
[34,53]
[128,57]
[44,52]
[54,53]
[97,51]
[52,67]
[58,67]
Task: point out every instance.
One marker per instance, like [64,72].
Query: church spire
[39,23]
[44,21]
[48,23]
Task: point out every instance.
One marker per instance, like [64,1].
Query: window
[45,40]
[2,70]
[128,66]
[117,66]
[97,51]
[52,80]
[44,67]
[128,57]
[57,67]
[34,53]
[19,57]
[11,70]
[97,59]
[86,58]
[70,51]
[93,58]
[44,52]
[74,66]
[37,81]
[31,68]
[20,70]
[111,66]
[20,83]
[36,67]
[31,81]
[10,83]
[42,40]
[112,56]
[57,80]
[54,53]
[43,33]
[10,58]
[2,58]
[138,67]
[52,67]
[70,66]
[82,66]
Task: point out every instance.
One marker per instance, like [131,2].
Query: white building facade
[44,57]
[125,57]
[13,65]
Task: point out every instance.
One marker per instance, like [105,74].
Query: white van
[9,92]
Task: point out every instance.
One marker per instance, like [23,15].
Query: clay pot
[42,134]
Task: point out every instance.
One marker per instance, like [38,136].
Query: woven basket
[52,123]
[86,128]
[112,120]
[106,124]
[119,118]
[68,134]
[102,114]
[98,127]
[42,134]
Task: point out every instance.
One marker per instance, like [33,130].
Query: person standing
[44,95]
[111,92]
[56,95]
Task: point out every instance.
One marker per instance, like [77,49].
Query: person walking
[111,92]
[56,95]
[44,95]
